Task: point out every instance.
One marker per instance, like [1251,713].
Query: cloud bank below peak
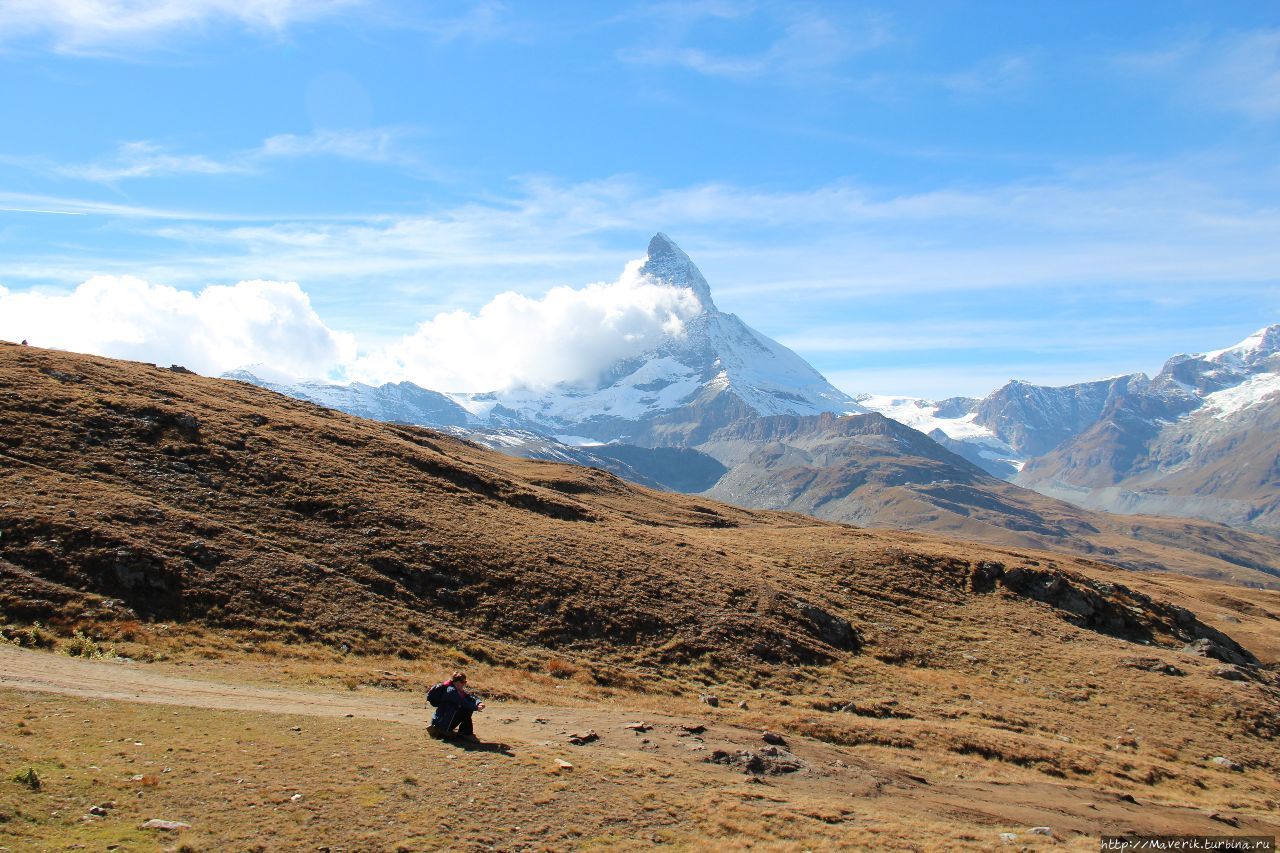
[214,330]
[566,335]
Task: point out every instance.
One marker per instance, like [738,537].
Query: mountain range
[1200,440]
[725,411]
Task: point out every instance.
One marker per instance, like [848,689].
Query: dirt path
[829,772]
[21,669]
[505,724]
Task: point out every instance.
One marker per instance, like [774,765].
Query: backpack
[435,694]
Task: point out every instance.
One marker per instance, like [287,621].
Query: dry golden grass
[209,527]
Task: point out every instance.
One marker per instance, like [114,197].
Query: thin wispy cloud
[1164,228]
[999,75]
[143,159]
[1235,72]
[91,26]
[146,159]
[803,43]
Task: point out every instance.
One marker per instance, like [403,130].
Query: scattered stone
[754,763]
[1230,673]
[638,727]
[1219,650]
[693,730]
[743,705]
[1042,830]
[1223,761]
[166,825]
[295,728]
[109,804]
[1008,838]
[773,737]
[713,701]
[98,811]
[296,798]
[563,765]
[1152,665]
[583,738]
[541,721]
[832,629]
[1227,819]
[1127,798]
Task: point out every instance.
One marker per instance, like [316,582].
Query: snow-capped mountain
[1012,424]
[398,402]
[718,362]
[1201,439]
[716,356]
[688,413]
[953,423]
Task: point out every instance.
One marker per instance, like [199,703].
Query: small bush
[83,646]
[30,778]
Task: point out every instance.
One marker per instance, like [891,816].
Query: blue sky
[920,198]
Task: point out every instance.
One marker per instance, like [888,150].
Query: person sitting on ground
[453,714]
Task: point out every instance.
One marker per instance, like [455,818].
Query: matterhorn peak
[668,263]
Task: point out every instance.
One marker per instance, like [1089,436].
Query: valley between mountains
[930,693]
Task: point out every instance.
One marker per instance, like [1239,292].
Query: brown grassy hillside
[169,496]
[136,497]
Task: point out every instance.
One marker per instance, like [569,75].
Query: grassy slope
[199,519]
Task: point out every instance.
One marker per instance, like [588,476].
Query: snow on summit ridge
[718,354]
[668,263]
[1260,345]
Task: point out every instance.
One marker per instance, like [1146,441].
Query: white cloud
[373,145]
[89,26]
[1234,72]
[803,43]
[146,159]
[998,75]
[568,334]
[1174,224]
[217,329]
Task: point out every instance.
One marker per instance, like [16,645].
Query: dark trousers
[461,723]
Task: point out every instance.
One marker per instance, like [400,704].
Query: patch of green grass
[83,646]
[28,777]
